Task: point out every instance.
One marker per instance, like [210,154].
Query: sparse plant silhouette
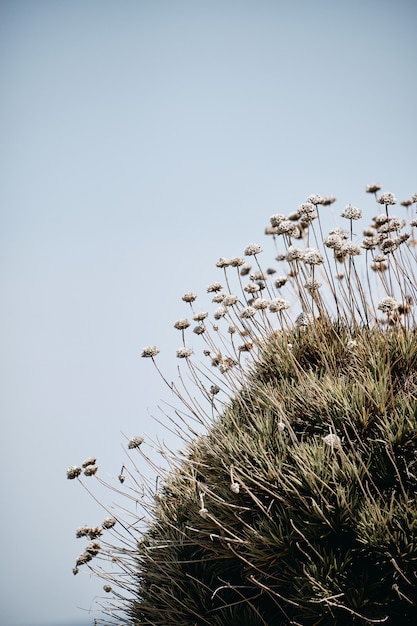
[294,499]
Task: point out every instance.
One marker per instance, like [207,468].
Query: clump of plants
[294,498]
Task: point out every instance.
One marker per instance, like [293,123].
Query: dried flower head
[184,353]
[351,212]
[315,198]
[135,442]
[373,188]
[90,461]
[252,249]
[387,198]
[236,261]
[260,304]
[222,262]
[220,312]
[91,470]
[181,324]
[199,317]
[73,472]
[280,281]
[109,522]
[333,441]
[251,288]
[230,300]
[199,330]
[278,304]
[149,352]
[312,256]
[349,248]
[235,487]
[277,219]
[294,253]
[247,312]
[388,305]
[214,287]
[189,297]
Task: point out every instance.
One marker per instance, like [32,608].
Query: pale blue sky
[140,141]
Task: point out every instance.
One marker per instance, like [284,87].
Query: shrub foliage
[294,499]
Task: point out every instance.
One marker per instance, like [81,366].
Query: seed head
[278,304]
[135,442]
[189,297]
[214,287]
[181,324]
[149,352]
[90,461]
[184,353]
[373,188]
[222,262]
[73,472]
[312,256]
[351,213]
[387,198]
[388,305]
[252,249]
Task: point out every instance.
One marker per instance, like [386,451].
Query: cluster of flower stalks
[294,499]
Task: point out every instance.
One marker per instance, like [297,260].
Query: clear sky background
[141,140]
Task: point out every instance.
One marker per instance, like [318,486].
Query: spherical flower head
[373,188]
[107,588]
[135,442]
[276,219]
[278,304]
[312,256]
[315,198]
[149,352]
[312,284]
[294,254]
[245,269]
[351,212]
[214,287]
[90,461]
[247,312]
[251,288]
[218,298]
[222,262]
[199,330]
[199,317]
[214,390]
[109,522]
[388,305]
[73,472]
[307,208]
[236,261]
[333,441]
[333,241]
[394,223]
[220,312]
[303,320]
[280,281]
[350,248]
[189,297]
[343,234]
[260,304]
[387,198]
[230,300]
[252,249]
[184,353]
[286,227]
[328,200]
[235,487]
[181,324]
[91,470]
